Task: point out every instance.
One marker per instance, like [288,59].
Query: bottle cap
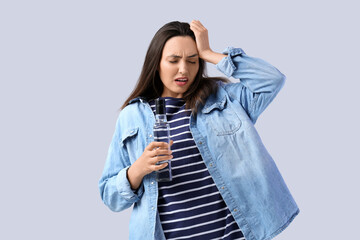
[160,106]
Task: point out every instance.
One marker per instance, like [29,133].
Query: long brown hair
[149,84]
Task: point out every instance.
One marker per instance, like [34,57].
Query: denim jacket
[223,130]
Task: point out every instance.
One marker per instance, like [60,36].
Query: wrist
[134,176]
[212,57]
[135,171]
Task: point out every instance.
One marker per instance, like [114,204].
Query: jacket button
[210,164]
[235,210]
[150,135]
[152,182]
[200,142]
[152,208]
[222,187]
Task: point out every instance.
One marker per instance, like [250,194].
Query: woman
[225,184]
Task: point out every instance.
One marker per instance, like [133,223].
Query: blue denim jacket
[243,171]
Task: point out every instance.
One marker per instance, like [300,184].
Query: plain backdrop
[66,67]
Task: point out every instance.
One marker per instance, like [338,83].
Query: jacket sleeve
[115,189]
[259,82]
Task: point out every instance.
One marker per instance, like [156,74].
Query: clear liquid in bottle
[162,134]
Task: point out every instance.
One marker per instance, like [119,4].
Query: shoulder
[222,87]
[130,109]
[129,115]
[218,95]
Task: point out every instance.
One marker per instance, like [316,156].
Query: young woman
[225,184]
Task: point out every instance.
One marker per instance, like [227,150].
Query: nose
[183,67]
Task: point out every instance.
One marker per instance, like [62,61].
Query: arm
[119,179]
[259,81]
[115,189]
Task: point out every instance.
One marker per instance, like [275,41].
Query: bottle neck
[160,118]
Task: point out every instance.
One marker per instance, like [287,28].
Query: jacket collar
[217,100]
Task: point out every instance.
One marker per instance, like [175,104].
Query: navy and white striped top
[190,206]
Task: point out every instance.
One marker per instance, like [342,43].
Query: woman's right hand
[146,163]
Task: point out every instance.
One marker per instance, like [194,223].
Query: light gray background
[67,66]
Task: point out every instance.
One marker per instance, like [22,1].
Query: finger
[195,21]
[198,30]
[161,166]
[157,159]
[153,145]
[194,24]
[198,24]
[161,151]
[195,27]
[162,158]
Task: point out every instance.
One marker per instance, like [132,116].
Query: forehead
[180,45]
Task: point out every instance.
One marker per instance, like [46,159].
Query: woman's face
[179,65]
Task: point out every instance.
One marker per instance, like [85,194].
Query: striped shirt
[190,206]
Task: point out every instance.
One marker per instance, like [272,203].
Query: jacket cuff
[124,187]
[226,65]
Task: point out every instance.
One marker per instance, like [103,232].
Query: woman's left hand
[202,38]
[202,43]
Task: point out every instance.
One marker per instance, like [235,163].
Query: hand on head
[202,38]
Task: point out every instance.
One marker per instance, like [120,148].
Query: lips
[181,81]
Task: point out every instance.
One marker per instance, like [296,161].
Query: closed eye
[177,61]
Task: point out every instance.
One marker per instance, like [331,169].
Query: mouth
[181,81]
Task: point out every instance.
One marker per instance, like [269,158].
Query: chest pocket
[221,118]
[129,141]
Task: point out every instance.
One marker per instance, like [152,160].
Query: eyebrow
[176,56]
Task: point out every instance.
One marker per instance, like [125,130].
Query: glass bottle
[162,134]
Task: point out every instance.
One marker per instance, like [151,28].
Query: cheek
[162,70]
[166,69]
[195,70]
